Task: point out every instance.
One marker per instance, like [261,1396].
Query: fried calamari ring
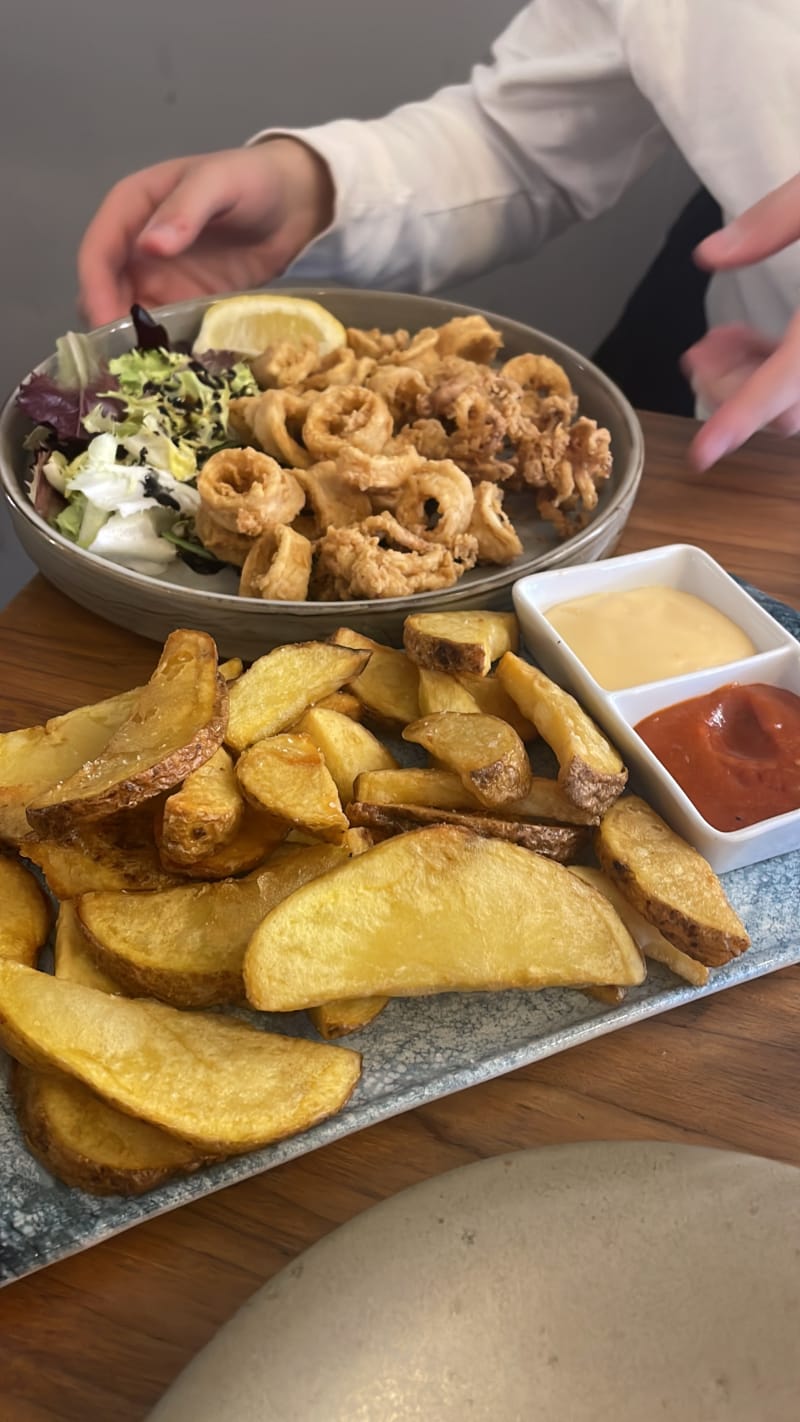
[401,386]
[340,367]
[428,437]
[241,418]
[247,492]
[376,343]
[278,421]
[278,566]
[544,383]
[470,337]
[346,415]
[379,558]
[378,472]
[436,502]
[497,537]
[224,543]
[333,500]
[287,363]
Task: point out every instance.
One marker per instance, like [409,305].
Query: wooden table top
[100,1335]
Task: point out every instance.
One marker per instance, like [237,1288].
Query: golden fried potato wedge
[591,772]
[437,910]
[231,669]
[73,956]
[648,938]
[561,842]
[34,759]
[388,686]
[254,841]
[545,800]
[669,883]
[286,776]
[90,1145]
[176,723]
[25,916]
[439,691]
[494,700]
[345,702]
[440,789]
[214,1081]
[205,813]
[339,1019]
[273,694]
[116,853]
[484,751]
[460,641]
[185,946]
[347,747]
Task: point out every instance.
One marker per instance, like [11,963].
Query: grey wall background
[93,89]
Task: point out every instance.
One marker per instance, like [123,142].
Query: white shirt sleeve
[552,130]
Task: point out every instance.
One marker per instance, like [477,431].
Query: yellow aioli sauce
[647,634]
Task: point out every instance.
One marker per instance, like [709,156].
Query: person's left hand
[751,381]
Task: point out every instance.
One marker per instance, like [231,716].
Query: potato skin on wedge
[669,883]
[459,641]
[561,842]
[437,910]
[484,751]
[215,1082]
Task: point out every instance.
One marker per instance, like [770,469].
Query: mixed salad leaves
[117,446]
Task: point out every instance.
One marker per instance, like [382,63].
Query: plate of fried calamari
[240,464]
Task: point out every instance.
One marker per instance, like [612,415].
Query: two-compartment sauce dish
[696,684]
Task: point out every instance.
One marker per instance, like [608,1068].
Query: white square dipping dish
[776,661]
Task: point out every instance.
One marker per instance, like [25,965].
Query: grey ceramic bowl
[249,626]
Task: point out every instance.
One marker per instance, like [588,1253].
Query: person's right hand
[197,226]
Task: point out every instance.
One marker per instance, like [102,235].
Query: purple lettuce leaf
[46,500]
[46,402]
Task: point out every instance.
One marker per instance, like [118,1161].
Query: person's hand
[751,381]
[202,225]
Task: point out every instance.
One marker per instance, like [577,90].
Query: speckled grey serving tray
[416,1051]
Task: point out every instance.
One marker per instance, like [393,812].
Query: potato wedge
[25,916]
[590,770]
[254,841]
[214,1081]
[347,747]
[117,853]
[34,759]
[460,641]
[185,946]
[273,694]
[648,938]
[205,813]
[73,956]
[494,700]
[545,800]
[484,751]
[339,1019]
[176,723]
[439,789]
[439,691]
[231,669]
[561,842]
[345,702]
[388,686]
[669,883]
[90,1145]
[437,910]
[286,776]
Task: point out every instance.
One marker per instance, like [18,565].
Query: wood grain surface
[99,1336]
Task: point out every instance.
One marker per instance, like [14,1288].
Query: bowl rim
[490,582]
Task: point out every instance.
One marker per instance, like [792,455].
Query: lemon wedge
[249,324]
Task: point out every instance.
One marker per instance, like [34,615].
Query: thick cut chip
[117,853]
[439,691]
[460,641]
[669,883]
[24,913]
[175,725]
[590,770]
[286,776]
[651,942]
[205,813]
[73,956]
[437,910]
[348,748]
[484,751]
[186,946]
[388,686]
[279,687]
[346,702]
[231,669]
[214,1081]
[561,842]
[494,700]
[35,759]
[432,786]
[339,1019]
[255,839]
[545,800]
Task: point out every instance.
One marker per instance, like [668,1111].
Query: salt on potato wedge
[38,757]
[205,813]
[175,724]
[484,751]
[388,685]
[286,776]
[273,694]
[346,746]
[115,853]
[439,691]
[493,699]
[669,883]
[186,946]
[460,641]
[651,942]
[25,916]
[437,910]
[255,839]
[591,772]
[561,842]
[221,1085]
